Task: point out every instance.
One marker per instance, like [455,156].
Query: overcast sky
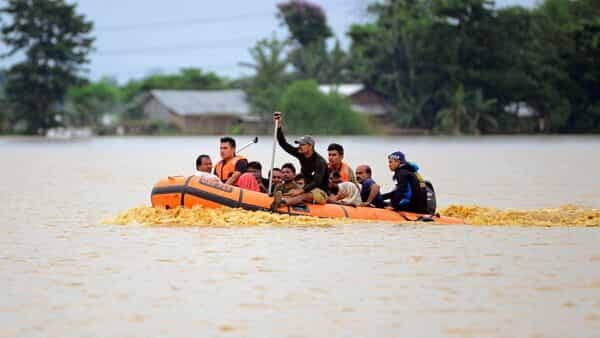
[138,37]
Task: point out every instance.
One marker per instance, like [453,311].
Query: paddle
[273,157]
[255,140]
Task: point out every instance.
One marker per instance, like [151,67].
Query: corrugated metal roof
[204,102]
[345,89]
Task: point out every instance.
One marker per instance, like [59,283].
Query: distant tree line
[456,65]
[451,67]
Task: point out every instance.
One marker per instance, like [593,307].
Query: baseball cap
[397,155]
[306,139]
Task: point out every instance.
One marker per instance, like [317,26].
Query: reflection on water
[64,274]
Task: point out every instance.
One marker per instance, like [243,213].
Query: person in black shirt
[407,195]
[313,168]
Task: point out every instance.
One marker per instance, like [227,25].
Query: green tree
[306,21]
[3,104]
[309,110]
[185,79]
[551,50]
[338,69]
[309,31]
[56,42]
[466,113]
[265,88]
[394,55]
[450,119]
[86,105]
[584,67]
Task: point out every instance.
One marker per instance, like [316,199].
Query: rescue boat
[181,191]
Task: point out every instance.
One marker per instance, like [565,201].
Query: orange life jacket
[344,169]
[225,170]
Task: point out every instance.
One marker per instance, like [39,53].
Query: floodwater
[63,273]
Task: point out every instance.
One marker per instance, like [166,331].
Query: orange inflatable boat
[187,192]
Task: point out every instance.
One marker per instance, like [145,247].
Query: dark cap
[306,139]
[397,155]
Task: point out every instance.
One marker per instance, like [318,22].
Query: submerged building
[201,111]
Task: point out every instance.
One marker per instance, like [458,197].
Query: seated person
[335,155]
[288,173]
[231,167]
[312,165]
[255,168]
[407,194]
[277,178]
[204,168]
[347,192]
[299,179]
[370,191]
[248,182]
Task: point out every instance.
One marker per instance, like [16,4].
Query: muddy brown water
[64,273]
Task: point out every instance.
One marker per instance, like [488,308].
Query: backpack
[428,193]
[430,198]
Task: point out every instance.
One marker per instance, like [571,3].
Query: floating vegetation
[564,216]
[221,217]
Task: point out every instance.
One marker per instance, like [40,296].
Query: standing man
[231,167]
[335,156]
[313,168]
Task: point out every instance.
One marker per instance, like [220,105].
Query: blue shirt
[365,191]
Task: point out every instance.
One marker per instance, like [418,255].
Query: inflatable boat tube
[180,191]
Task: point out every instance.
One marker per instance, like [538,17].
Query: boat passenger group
[321,181]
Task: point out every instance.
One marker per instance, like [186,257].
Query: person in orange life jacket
[232,168]
[407,194]
[335,156]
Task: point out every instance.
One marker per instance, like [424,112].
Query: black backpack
[427,191]
[430,198]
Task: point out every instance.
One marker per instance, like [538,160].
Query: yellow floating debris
[564,216]
[221,217]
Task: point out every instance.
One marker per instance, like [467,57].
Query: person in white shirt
[204,168]
[345,192]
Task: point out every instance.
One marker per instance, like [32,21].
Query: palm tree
[270,79]
[450,119]
[480,112]
[467,112]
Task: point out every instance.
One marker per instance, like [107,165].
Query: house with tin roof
[363,99]
[201,111]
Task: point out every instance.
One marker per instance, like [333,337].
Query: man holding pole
[313,168]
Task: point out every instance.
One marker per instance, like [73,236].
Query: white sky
[137,37]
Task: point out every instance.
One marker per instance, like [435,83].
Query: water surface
[63,273]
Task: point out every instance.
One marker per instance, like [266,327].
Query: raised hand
[277,117]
